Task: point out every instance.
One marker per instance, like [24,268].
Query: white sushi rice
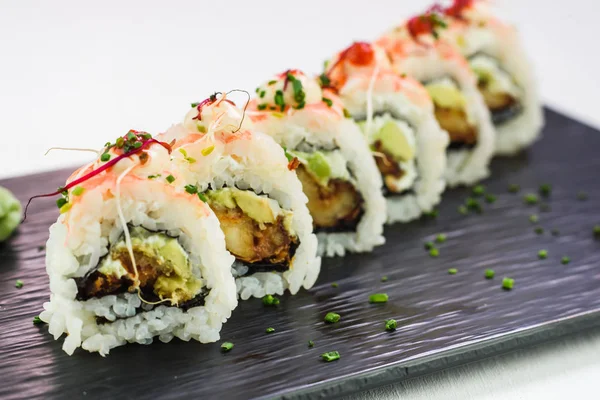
[505,47]
[74,250]
[259,164]
[429,141]
[465,166]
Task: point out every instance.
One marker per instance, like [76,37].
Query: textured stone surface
[443,319]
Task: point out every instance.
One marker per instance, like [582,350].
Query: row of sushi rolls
[162,235]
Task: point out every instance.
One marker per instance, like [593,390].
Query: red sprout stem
[97,171]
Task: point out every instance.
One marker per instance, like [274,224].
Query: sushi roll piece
[417,49]
[134,256]
[335,166]
[245,178]
[504,75]
[396,116]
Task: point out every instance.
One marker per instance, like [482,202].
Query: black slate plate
[443,319]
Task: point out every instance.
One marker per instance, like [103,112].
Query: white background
[80,73]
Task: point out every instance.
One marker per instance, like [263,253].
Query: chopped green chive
[262,94]
[279,99]
[582,196]
[270,330]
[543,254]
[530,199]
[429,245]
[202,197]
[227,346]
[597,231]
[545,189]
[19,284]
[555,232]
[270,300]
[311,343]
[330,356]
[334,285]
[261,107]
[137,145]
[191,189]
[194,105]
[327,101]
[170,179]
[61,202]
[41,248]
[441,238]
[514,188]
[37,320]
[154,176]
[105,157]
[434,252]
[131,136]
[384,278]
[332,318]
[489,274]
[78,191]
[270,83]
[452,271]
[120,142]
[378,298]
[463,210]
[539,230]
[324,79]
[478,190]
[565,260]
[347,113]
[508,283]
[474,205]
[390,325]
[534,219]
[490,198]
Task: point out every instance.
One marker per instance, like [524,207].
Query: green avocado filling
[323,165]
[161,261]
[259,208]
[445,94]
[393,141]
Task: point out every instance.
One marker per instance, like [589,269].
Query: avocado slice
[446,96]
[394,142]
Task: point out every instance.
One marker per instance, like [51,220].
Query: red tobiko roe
[424,23]
[358,53]
[456,9]
[104,167]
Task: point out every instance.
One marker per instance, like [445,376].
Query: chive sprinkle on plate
[270,330]
[270,300]
[378,298]
[391,325]
[429,245]
[545,189]
[534,219]
[452,271]
[332,318]
[508,283]
[330,356]
[384,278]
[565,260]
[19,284]
[489,274]
[543,254]
[539,230]
[441,238]
[434,252]
[311,343]
[227,346]
[530,199]
[478,190]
